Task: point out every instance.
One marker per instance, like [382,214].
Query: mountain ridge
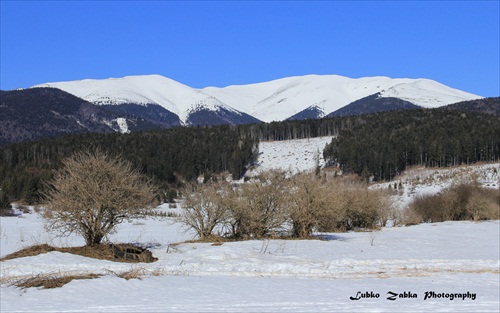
[275,100]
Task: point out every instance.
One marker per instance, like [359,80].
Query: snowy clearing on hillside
[291,155]
[428,181]
[451,259]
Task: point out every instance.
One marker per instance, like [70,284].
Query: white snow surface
[148,89]
[122,124]
[262,275]
[275,100]
[291,155]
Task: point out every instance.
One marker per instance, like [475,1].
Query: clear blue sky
[223,43]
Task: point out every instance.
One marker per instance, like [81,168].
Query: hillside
[372,104]
[487,105]
[33,114]
[183,104]
[137,103]
[382,145]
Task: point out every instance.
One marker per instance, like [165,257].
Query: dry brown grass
[48,281]
[134,273]
[101,252]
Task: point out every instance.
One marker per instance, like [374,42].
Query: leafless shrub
[308,203]
[205,207]
[257,209]
[458,202]
[408,217]
[262,207]
[351,206]
[92,193]
[482,205]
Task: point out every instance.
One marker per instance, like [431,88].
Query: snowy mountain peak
[147,89]
[275,100]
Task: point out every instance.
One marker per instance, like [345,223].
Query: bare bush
[258,208]
[408,217]
[205,207]
[267,205]
[92,193]
[351,205]
[458,202]
[484,205]
[308,203]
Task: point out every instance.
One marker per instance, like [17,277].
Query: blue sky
[224,43]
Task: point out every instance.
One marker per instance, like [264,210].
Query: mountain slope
[321,94]
[486,105]
[178,101]
[309,96]
[32,114]
[372,104]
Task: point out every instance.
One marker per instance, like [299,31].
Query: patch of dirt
[127,253]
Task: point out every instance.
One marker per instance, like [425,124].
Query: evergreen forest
[170,157]
[376,146]
[382,145]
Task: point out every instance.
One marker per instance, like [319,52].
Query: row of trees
[169,157]
[384,144]
[273,204]
[93,192]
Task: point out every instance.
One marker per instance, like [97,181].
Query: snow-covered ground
[426,181]
[291,155]
[263,275]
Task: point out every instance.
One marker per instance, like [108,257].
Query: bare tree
[307,203]
[205,207]
[258,208]
[92,193]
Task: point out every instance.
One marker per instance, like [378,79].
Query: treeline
[381,146]
[170,157]
[297,129]
[377,146]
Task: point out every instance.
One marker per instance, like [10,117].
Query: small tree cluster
[458,202]
[342,204]
[272,204]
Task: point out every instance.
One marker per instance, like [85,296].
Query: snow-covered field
[264,275]
[444,267]
[292,155]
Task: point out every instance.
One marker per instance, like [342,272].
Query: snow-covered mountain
[283,98]
[304,96]
[176,98]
